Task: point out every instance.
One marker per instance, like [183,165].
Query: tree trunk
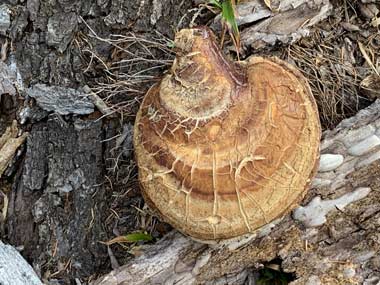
[332,239]
[59,199]
[56,205]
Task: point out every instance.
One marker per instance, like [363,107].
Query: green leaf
[228,14]
[216,3]
[227,8]
[134,237]
[170,44]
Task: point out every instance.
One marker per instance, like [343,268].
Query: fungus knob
[224,148]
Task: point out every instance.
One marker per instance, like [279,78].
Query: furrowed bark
[57,202]
[55,208]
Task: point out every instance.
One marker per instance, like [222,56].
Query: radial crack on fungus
[241,137]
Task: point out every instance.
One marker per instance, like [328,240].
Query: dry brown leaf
[115,240]
[130,238]
[350,27]
[371,86]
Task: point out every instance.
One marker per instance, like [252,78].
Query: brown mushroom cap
[224,148]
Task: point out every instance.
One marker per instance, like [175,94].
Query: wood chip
[375,22]
[98,102]
[350,27]
[9,143]
[371,86]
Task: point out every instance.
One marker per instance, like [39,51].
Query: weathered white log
[290,21]
[284,21]
[14,270]
[333,238]
[330,162]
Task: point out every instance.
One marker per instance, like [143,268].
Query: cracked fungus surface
[224,148]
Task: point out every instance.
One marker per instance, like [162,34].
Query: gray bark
[332,239]
[55,208]
[57,202]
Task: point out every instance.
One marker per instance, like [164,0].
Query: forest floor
[119,53]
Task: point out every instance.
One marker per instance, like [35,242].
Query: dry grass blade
[334,82]
[268,4]
[367,58]
[135,64]
[118,77]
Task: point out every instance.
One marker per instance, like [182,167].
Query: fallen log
[289,21]
[265,23]
[332,238]
[14,270]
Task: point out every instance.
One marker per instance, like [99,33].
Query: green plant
[227,8]
[130,238]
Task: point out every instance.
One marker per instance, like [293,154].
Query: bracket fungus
[224,148]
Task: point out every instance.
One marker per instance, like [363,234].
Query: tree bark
[56,205]
[59,202]
[332,239]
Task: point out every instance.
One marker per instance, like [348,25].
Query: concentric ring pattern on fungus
[224,148]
